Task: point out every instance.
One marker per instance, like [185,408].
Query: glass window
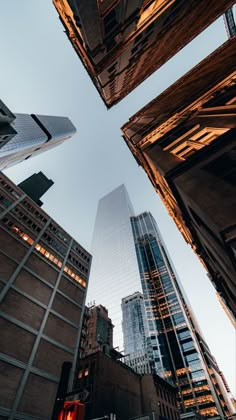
[188,345]
[195,365]
[178,318]
[184,334]
[198,374]
[192,356]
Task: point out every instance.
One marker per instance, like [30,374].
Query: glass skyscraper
[23,136]
[179,353]
[135,332]
[114,272]
[129,257]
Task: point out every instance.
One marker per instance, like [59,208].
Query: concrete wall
[40,308]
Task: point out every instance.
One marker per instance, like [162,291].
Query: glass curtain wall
[135,332]
[114,272]
[129,256]
[177,350]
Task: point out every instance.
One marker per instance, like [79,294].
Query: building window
[224,167]
[187,346]
[110,20]
[184,334]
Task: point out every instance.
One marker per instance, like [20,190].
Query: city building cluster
[136,351]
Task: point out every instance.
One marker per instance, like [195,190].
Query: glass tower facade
[178,351]
[135,332]
[31,135]
[130,260]
[114,272]
[134,323]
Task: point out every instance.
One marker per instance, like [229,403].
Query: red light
[72,410]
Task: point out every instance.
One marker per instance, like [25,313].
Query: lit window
[80,375]
[48,255]
[30,241]
[86,372]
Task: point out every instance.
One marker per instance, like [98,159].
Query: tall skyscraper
[114,272]
[176,348]
[179,351]
[135,332]
[186,144]
[23,136]
[121,43]
[35,186]
[43,280]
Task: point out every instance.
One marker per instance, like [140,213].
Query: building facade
[23,136]
[176,350]
[114,273]
[186,144]
[123,393]
[43,281]
[99,330]
[179,352]
[135,332]
[35,186]
[121,43]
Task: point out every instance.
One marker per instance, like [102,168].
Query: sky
[41,73]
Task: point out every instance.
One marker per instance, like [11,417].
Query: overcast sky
[40,73]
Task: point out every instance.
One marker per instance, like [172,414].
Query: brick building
[99,330]
[43,280]
[121,43]
[113,387]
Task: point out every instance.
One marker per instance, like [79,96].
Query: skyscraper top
[23,136]
[113,210]
[35,186]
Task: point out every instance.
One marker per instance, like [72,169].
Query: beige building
[121,43]
[185,141]
[43,280]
